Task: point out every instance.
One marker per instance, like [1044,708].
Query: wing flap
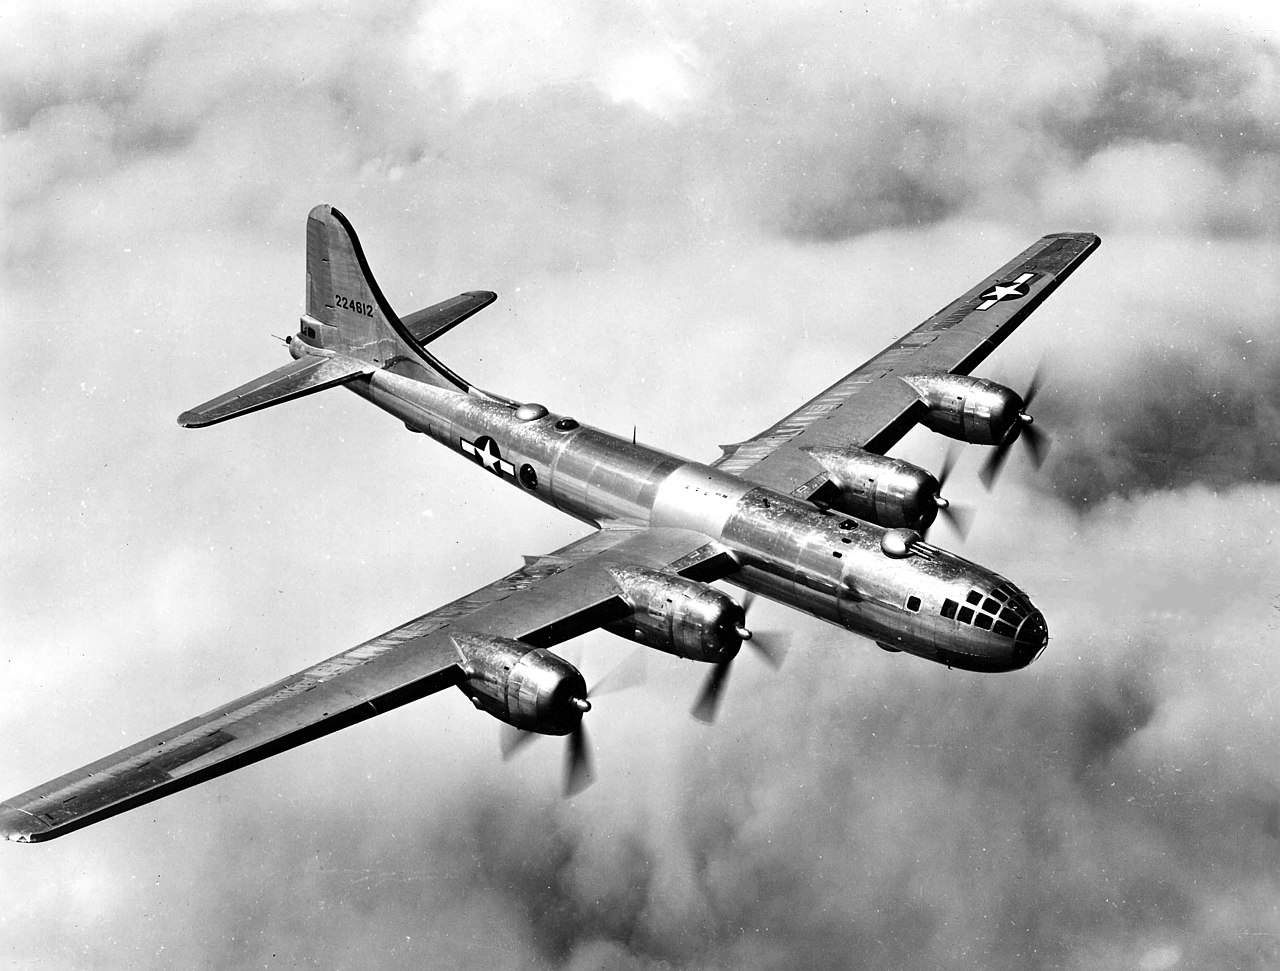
[304,376]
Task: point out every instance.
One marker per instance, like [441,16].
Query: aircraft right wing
[548,600]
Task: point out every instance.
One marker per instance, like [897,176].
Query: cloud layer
[696,216]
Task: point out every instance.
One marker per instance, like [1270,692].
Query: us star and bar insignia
[485,451]
[1006,291]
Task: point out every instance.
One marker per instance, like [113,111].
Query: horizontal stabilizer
[436,320]
[297,378]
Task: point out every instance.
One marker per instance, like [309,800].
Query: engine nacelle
[885,491]
[969,409]
[682,617]
[524,686]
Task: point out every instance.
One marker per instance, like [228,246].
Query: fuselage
[922,600]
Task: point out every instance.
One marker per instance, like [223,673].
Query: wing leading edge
[546,601]
[871,407]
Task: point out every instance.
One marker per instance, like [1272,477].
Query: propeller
[959,517]
[772,648]
[1036,441]
[578,773]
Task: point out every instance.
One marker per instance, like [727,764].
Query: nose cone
[1032,636]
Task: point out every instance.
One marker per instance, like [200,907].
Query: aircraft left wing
[871,407]
[549,599]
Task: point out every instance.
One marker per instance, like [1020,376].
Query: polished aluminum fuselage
[826,564]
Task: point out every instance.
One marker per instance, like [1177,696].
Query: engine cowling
[969,409]
[882,490]
[680,616]
[527,687]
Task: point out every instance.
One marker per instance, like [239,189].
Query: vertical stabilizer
[346,310]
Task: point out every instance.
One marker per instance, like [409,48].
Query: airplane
[811,513]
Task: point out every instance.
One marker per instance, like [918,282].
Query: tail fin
[349,330]
[347,312]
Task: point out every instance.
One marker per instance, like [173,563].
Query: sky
[697,216]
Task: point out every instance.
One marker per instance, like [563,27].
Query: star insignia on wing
[1005,291]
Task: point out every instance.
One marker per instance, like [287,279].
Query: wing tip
[20,827]
[1090,239]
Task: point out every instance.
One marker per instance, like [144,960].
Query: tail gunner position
[810,513]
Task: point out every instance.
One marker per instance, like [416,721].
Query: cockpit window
[987,613]
[1011,615]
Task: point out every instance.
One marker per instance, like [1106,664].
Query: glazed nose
[1032,636]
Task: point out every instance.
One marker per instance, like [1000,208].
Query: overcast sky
[696,215]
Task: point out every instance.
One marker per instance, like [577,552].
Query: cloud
[696,216]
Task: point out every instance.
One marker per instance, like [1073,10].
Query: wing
[548,600]
[870,407]
[426,325]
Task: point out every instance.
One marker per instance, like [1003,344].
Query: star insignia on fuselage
[1005,291]
[487,454]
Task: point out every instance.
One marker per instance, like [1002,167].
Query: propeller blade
[994,463]
[630,672]
[1033,388]
[578,773]
[511,740]
[960,518]
[1037,443]
[772,646]
[948,465]
[712,689]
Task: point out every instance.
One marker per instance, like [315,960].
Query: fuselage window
[837,554]
[949,609]
[913,604]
